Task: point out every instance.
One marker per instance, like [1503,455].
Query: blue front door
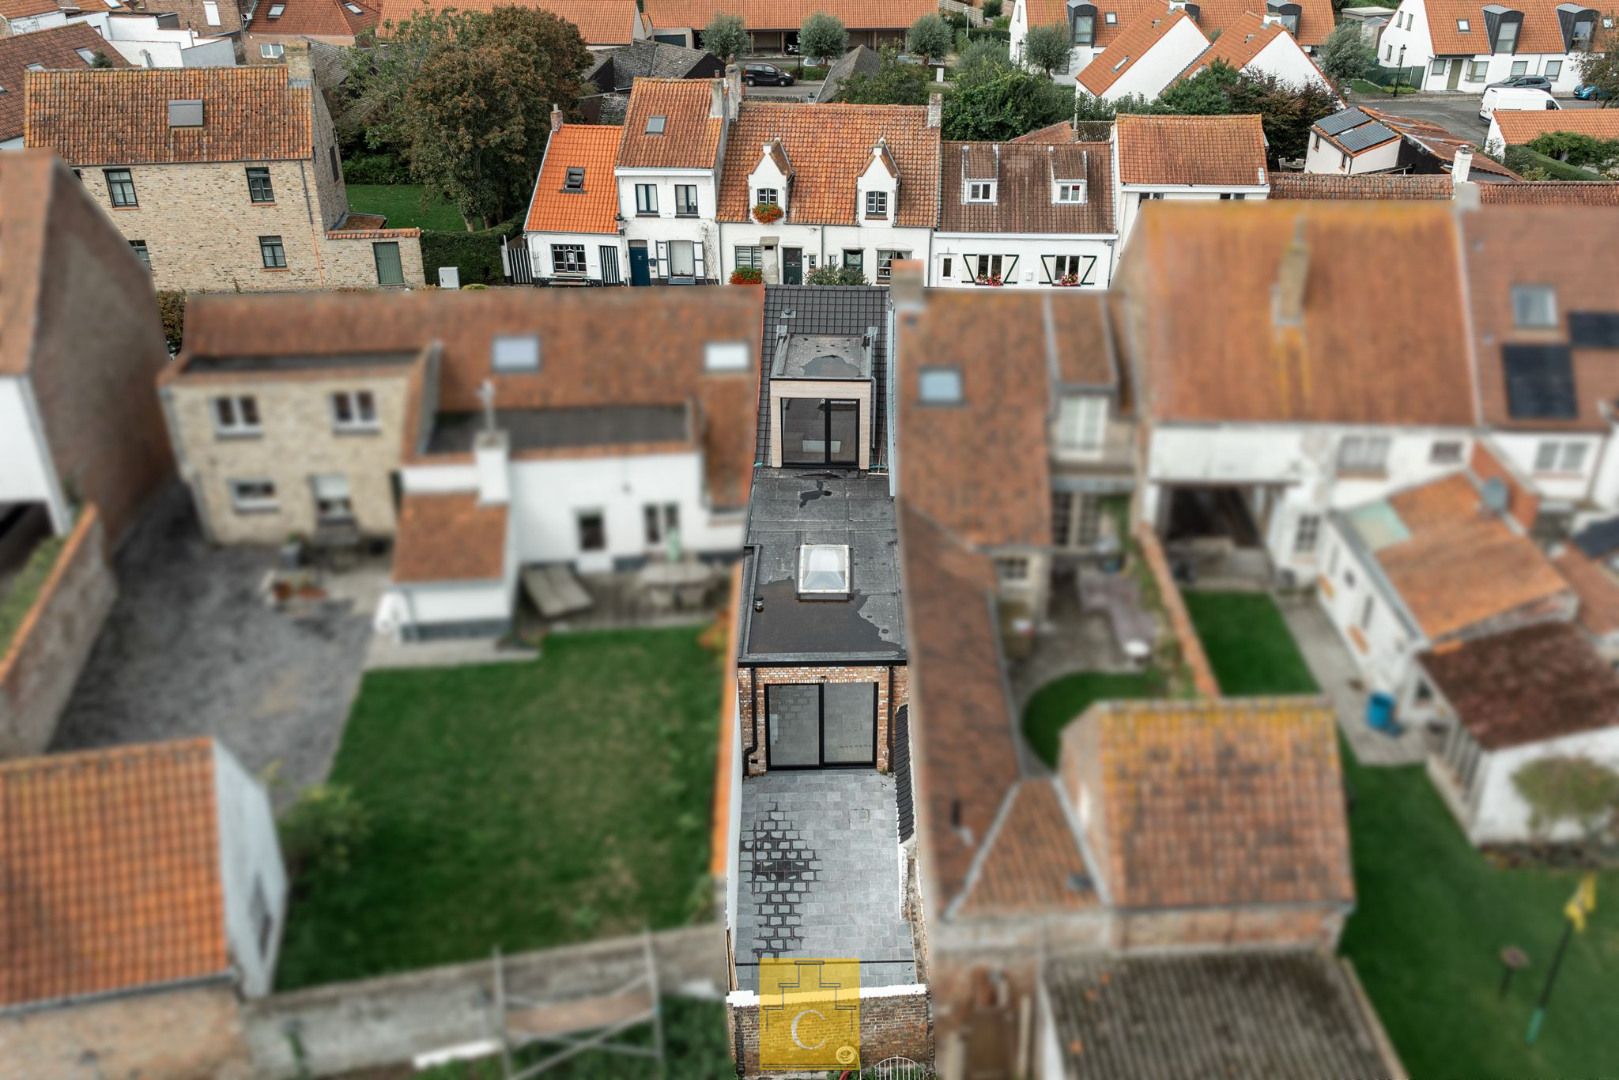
[640,269]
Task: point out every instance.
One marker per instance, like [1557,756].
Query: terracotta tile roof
[600,22]
[981,468]
[315,18]
[1597,589]
[1217,803]
[1506,246]
[22,9]
[1292,185]
[54,48]
[111,876]
[1059,133]
[1202,354]
[1522,126]
[1032,862]
[1221,151]
[121,117]
[594,209]
[788,14]
[1551,193]
[1456,565]
[1542,32]
[1026,174]
[691,136]
[961,721]
[1526,685]
[193,15]
[830,147]
[1437,142]
[615,347]
[1316,19]
[1125,51]
[1238,44]
[449,538]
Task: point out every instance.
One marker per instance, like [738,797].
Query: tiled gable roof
[1550,193]
[1032,862]
[830,147]
[600,22]
[1217,803]
[449,537]
[1023,199]
[1125,51]
[109,861]
[1316,19]
[1238,44]
[315,18]
[1522,126]
[1542,31]
[1220,354]
[763,15]
[690,136]
[22,9]
[121,117]
[589,147]
[1218,151]
[1291,185]
[1596,587]
[51,49]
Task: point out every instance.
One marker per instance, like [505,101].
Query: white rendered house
[574,230]
[1464,49]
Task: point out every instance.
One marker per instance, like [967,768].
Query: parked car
[1514,97]
[1526,82]
[1590,92]
[765,75]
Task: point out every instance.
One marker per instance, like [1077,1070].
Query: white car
[1514,97]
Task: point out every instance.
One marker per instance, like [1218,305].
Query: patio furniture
[1118,597]
[555,591]
[672,585]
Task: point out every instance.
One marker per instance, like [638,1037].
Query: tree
[1046,49]
[832,274]
[893,83]
[100,60]
[1599,67]
[930,37]
[1576,149]
[822,38]
[992,9]
[1573,789]
[1285,111]
[1347,55]
[726,36]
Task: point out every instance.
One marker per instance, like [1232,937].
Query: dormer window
[1070,191]
[1504,27]
[656,124]
[575,179]
[1285,12]
[876,204]
[1081,23]
[980,191]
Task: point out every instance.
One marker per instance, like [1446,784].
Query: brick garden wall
[191,1034]
[891,1025]
[351,261]
[1180,622]
[751,682]
[39,668]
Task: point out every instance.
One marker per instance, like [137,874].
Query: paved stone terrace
[820,874]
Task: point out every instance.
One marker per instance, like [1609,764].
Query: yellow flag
[1582,903]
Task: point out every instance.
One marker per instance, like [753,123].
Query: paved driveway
[1456,113]
[190,649]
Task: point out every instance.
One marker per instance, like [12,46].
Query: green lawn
[1058,703]
[402,203]
[1248,644]
[521,805]
[1431,920]
[1367,88]
[17,598]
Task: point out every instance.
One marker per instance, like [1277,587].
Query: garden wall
[43,661]
[895,1021]
[325,1030]
[1180,622]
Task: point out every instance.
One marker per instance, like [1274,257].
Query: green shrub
[171,309]
[1532,166]
[835,275]
[19,596]
[323,830]
[992,9]
[475,254]
[375,169]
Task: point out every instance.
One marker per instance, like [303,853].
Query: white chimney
[935,110]
[733,91]
[717,91]
[556,117]
[491,456]
[1462,167]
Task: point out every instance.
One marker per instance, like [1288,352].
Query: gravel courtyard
[190,649]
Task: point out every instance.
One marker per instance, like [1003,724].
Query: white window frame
[1071,192]
[978,191]
[1307,534]
[1082,424]
[1446,452]
[271,50]
[1538,303]
[266,503]
[231,416]
[333,497]
[210,12]
[1364,454]
[876,204]
[360,407]
[1560,456]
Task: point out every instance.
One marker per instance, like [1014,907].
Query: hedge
[476,254]
[375,169]
[1521,159]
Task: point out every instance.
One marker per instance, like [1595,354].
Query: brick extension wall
[38,670]
[190,1034]
[751,682]
[1180,622]
[891,1025]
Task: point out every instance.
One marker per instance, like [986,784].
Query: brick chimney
[556,117]
[935,110]
[1292,276]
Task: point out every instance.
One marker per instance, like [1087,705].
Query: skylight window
[940,386]
[1121,63]
[1111,18]
[36,67]
[725,356]
[823,572]
[1534,306]
[355,8]
[575,180]
[185,113]
[86,55]
[276,10]
[515,352]
[655,124]
[1463,25]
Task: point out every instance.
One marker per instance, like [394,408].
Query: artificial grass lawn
[1248,644]
[1431,920]
[402,203]
[522,805]
[1061,701]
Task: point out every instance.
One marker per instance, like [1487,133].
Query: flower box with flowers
[1068,280]
[992,280]
[747,275]
[765,213]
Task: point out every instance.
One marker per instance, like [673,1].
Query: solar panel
[1341,121]
[1366,135]
[1540,382]
[1594,329]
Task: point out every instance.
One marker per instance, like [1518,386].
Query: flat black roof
[789,509]
[241,364]
[551,429]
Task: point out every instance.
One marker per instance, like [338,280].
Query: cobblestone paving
[820,874]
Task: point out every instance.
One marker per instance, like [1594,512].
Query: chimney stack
[1462,167]
[1291,277]
[733,90]
[905,284]
[935,110]
[556,118]
[296,56]
[717,91]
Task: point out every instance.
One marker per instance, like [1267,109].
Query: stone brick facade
[891,1025]
[892,693]
[352,255]
[39,668]
[298,441]
[1316,925]
[188,1034]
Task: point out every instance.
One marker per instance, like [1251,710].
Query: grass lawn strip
[1248,644]
[1058,703]
[402,205]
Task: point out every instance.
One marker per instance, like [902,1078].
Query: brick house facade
[220,178]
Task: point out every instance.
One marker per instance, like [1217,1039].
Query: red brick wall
[751,682]
[890,1026]
[192,1034]
[1179,621]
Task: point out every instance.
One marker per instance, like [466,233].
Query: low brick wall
[388,1020]
[1180,622]
[894,1022]
[49,649]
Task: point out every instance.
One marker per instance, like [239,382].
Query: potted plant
[1068,280]
[765,213]
[993,280]
[747,275]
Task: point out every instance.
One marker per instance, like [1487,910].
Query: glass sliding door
[818,432]
[820,725]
